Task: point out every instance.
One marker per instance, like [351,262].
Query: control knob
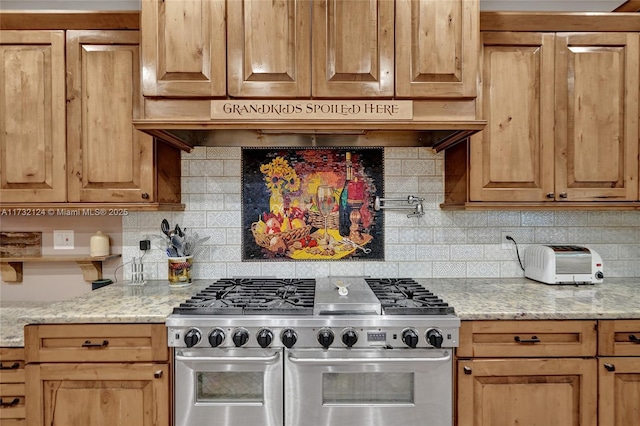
[240,337]
[264,337]
[216,337]
[434,337]
[410,337]
[349,337]
[192,337]
[599,275]
[289,337]
[325,337]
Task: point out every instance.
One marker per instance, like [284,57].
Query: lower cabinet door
[619,391]
[98,394]
[531,392]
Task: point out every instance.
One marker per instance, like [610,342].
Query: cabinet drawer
[619,338]
[96,343]
[527,339]
[12,396]
[12,389]
[11,365]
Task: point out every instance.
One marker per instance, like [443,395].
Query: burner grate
[404,296]
[252,296]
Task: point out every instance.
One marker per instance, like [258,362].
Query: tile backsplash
[440,244]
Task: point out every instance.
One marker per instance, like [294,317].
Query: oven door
[364,387]
[228,387]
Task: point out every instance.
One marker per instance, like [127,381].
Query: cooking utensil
[176,242]
[164,226]
[179,231]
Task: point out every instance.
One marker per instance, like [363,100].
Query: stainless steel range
[310,352]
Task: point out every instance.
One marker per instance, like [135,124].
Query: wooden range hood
[415,123]
[186,135]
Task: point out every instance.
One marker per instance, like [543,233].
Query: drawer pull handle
[633,338]
[534,339]
[13,366]
[467,370]
[157,374]
[9,404]
[88,344]
[610,367]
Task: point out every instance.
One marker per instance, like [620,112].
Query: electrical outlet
[63,240]
[506,244]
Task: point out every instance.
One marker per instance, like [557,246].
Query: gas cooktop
[276,296]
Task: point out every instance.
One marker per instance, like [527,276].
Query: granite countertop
[473,299]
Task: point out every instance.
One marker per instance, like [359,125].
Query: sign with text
[311,110]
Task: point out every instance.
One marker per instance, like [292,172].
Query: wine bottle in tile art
[344,208]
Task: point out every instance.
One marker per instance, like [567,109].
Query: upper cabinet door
[597,116]
[183,48]
[353,48]
[436,48]
[269,48]
[108,159]
[32,116]
[512,158]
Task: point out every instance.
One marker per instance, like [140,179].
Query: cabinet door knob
[633,338]
[157,374]
[610,367]
[563,195]
[534,339]
[550,195]
[145,196]
[467,370]
[89,344]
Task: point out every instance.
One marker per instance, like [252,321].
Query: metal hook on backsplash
[413,203]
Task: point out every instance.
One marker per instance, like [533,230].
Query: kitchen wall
[51,281]
[439,244]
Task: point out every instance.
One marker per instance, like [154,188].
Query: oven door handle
[226,359]
[294,359]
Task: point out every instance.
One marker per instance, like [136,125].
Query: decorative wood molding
[554,21]
[65,20]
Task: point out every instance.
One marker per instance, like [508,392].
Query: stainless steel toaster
[563,264]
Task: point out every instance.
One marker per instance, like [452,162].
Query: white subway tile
[449,269]
[537,218]
[483,269]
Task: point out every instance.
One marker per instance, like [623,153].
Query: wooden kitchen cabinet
[77,373]
[538,373]
[269,48]
[183,48]
[437,48]
[302,48]
[563,118]
[618,372]
[353,49]
[108,159]
[12,388]
[32,116]
[72,144]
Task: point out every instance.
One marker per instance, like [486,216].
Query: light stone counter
[473,299]
[514,298]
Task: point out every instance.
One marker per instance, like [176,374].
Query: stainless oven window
[367,388]
[230,387]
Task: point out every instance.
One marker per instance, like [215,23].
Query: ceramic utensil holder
[180,271]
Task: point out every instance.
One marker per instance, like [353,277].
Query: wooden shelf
[11,267]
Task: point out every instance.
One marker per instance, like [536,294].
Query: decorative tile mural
[312,204]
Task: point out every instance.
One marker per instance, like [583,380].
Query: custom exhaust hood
[309,123]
